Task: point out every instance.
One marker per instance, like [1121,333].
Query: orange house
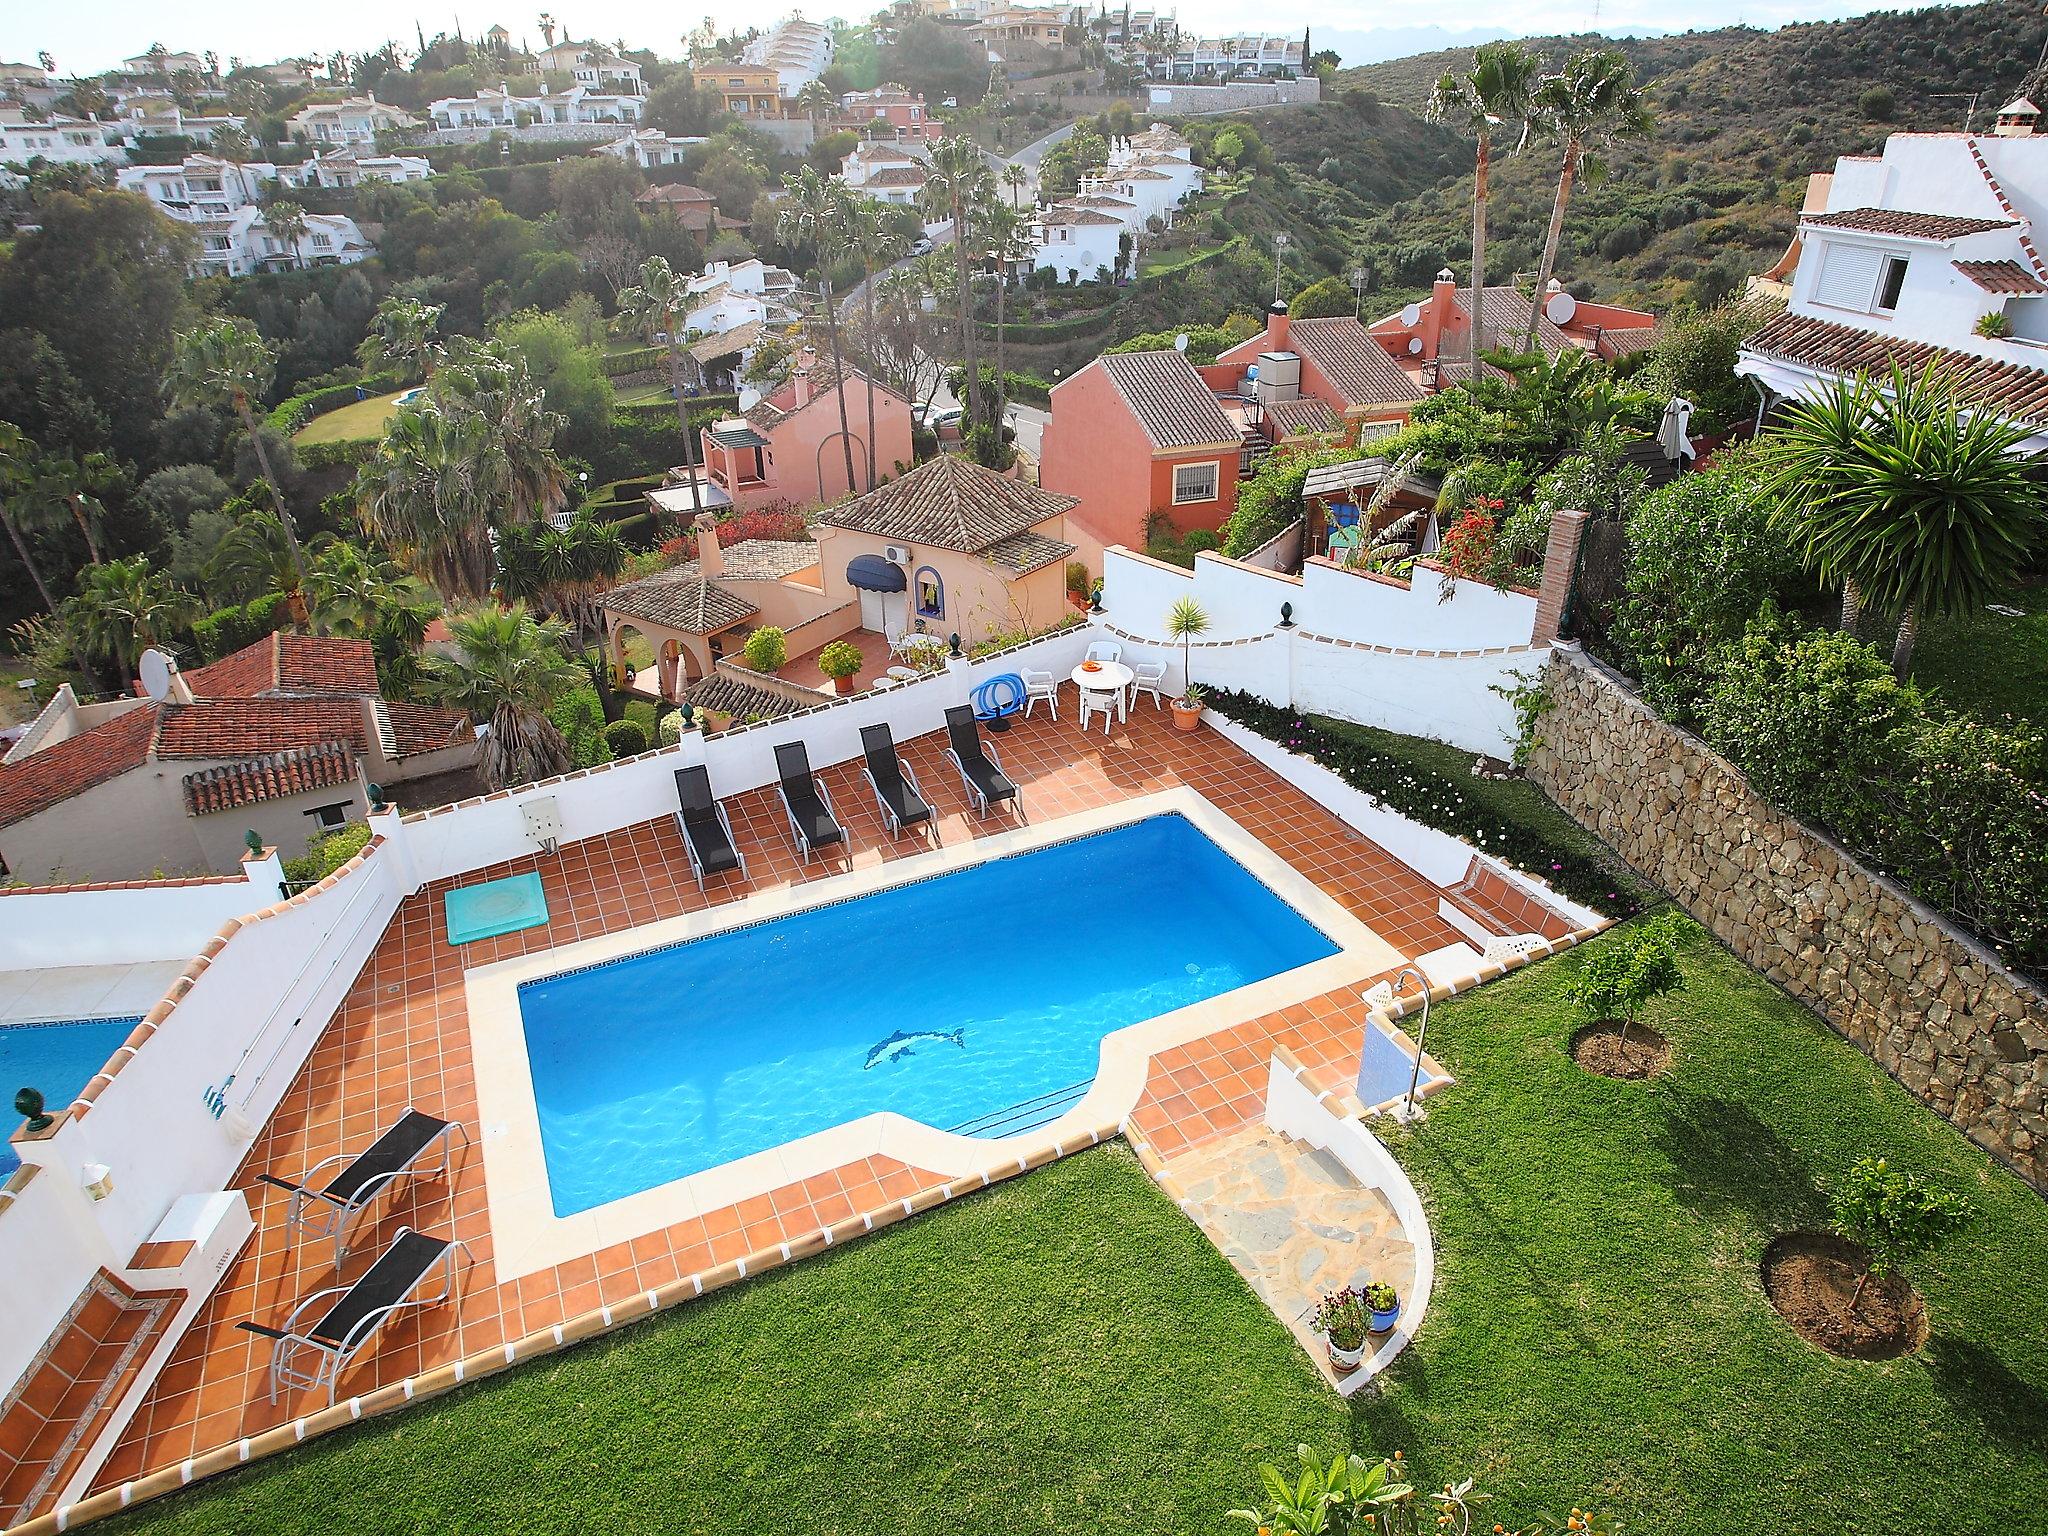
[1135,433]
[1430,337]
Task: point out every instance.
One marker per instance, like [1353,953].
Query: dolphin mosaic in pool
[898,1045]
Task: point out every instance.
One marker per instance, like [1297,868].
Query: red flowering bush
[778,520]
[1467,548]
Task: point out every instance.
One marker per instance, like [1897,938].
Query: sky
[88,36]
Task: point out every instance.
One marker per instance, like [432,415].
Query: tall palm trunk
[1566,175]
[92,545]
[1902,648]
[284,513]
[27,560]
[1002,381]
[1481,190]
[839,368]
[675,389]
[973,400]
[1852,605]
[868,303]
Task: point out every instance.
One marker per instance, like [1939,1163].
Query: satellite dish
[155,669]
[1411,315]
[749,398]
[1414,346]
[1560,307]
[1180,342]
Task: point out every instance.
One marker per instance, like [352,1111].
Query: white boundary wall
[127,924]
[1353,647]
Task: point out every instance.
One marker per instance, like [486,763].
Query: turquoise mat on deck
[495,907]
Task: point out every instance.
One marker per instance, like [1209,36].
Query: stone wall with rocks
[1927,1002]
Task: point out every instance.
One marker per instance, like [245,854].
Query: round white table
[1108,677]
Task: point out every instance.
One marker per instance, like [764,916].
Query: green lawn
[1988,663]
[1066,1353]
[351,423]
[642,394]
[1172,261]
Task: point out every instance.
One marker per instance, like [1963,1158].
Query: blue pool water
[1005,977]
[59,1059]
[1385,1067]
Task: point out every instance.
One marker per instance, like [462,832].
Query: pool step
[1026,1115]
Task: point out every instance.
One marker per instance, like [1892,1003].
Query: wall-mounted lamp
[97,1179]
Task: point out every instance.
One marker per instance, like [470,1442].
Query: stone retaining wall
[1928,1003]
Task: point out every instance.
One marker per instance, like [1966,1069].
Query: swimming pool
[975,1000]
[58,1058]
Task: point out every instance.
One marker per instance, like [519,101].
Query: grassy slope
[1988,663]
[1599,1330]
[1743,117]
[363,419]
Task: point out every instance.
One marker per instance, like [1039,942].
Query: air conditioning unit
[896,554]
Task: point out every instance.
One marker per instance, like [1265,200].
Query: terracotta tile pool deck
[401,1038]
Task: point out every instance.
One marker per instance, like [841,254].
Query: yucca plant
[510,669]
[1185,620]
[1917,506]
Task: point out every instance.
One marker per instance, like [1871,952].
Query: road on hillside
[1033,153]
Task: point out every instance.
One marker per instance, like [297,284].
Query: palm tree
[657,306]
[871,235]
[816,212]
[255,560]
[124,608]
[1016,178]
[1927,507]
[511,667]
[1497,91]
[561,569]
[225,362]
[17,474]
[287,221]
[814,100]
[402,338]
[1593,104]
[73,491]
[1003,228]
[419,497]
[354,589]
[958,184]
[487,389]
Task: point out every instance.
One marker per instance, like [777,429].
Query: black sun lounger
[328,1328]
[896,789]
[707,833]
[811,820]
[980,770]
[328,1210]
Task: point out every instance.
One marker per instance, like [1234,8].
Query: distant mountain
[1375,45]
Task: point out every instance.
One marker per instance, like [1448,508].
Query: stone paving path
[1293,1221]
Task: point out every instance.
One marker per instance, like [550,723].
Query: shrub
[671,729]
[1619,977]
[1078,584]
[1895,1215]
[1271,499]
[326,853]
[1696,358]
[626,738]
[840,660]
[1878,104]
[227,630]
[767,648]
[1327,296]
[580,718]
[1993,325]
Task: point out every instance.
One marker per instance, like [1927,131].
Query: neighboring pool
[58,1059]
[998,982]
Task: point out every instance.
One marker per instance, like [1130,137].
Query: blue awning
[871,573]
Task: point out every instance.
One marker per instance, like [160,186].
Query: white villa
[796,50]
[1926,254]
[887,172]
[501,108]
[1270,55]
[650,147]
[594,67]
[1148,177]
[59,140]
[222,200]
[356,120]
[347,168]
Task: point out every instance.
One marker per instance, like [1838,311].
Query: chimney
[1277,327]
[710,558]
[2017,119]
[806,360]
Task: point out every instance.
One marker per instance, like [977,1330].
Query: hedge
[638,360]
[337,455]
[1434,799]
[294,411]
[227,630]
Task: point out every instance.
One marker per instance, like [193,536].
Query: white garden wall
[128,924]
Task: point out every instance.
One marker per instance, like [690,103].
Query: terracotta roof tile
[212,790]
[1172,402]
[1355,364]
[417,728]
[1905,223]
[2001,276]
[287,665]
[950,502]
[2012,390]
[1026,552]
[743,701]
[238,728]
[1298,417]
[679,599]
[75,765]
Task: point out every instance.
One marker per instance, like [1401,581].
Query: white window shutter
[1848,276]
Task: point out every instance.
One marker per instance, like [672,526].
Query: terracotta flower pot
[1186,717]
[844,684]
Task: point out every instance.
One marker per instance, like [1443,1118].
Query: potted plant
[840,661]
[1342,1318]
[1385,1305]
[1185,620]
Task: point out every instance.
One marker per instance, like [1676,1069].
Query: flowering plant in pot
[1385,1306]
[1342,1318]
[1185,620]
[840,661]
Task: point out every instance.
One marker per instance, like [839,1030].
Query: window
[328,817]
[931,594]
[1894,279]
[1194,482]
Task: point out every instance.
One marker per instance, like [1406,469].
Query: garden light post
[1280,244]
[1358,275]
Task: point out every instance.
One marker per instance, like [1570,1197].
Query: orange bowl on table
[1091,666]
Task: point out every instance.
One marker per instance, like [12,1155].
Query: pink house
[790,446]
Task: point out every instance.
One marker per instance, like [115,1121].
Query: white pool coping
[528,1236]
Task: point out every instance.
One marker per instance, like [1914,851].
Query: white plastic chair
[1099,701]
[1149,677]
[1041,685]
[1105,650]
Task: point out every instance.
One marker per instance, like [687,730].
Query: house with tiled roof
[1429,340]
[1928,255]
[281,738]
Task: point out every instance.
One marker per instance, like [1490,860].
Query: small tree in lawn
[1185,620]
[1895,1215]
[1621,976]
